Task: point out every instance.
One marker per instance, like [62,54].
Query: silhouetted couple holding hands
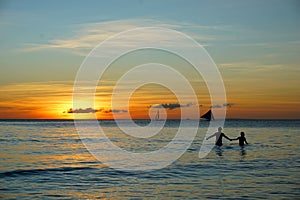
[219,135]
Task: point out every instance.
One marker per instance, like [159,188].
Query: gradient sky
[255,45]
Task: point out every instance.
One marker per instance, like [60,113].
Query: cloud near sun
[91,110]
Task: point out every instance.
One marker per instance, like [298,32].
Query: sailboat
[208,116]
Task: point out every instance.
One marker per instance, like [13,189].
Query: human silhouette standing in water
[219,135]
[242,139]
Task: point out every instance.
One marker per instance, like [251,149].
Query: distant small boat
[208,116]
[157,115]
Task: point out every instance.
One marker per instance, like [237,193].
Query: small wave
[21,172]
[19,140]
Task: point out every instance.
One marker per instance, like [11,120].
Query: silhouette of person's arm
[226,137]
[246,141]
[211,136]
[235,138]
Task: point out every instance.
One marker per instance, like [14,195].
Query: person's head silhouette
[220,129]
[242,134]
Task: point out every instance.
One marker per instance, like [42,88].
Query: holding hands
[219,135]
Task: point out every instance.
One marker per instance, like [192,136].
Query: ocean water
[45,159]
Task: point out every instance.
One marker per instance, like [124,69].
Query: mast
[157,115]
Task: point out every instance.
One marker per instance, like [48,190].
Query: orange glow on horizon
[52,101]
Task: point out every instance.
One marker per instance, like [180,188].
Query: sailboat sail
[208,116]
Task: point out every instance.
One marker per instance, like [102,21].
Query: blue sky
[254,43]
[240,29]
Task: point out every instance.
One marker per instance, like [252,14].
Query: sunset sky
[255,45]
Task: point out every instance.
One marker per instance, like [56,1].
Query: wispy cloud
[171,106]
[279,45]
[91,34]
[251,66]
[34,100]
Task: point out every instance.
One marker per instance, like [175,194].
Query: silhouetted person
[219,135]
[242,139]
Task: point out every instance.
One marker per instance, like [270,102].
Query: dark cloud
[91,110]
[229,105]
[216,106]
[6,107]
[80,110]
[171,106]
[114,111]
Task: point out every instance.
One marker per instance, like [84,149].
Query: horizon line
[57,119]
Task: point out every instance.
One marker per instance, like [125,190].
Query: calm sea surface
[46,160]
